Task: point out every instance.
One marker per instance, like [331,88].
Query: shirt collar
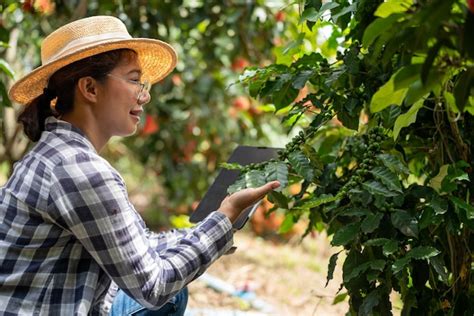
[58,126]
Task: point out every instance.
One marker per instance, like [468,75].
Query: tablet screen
[211,201]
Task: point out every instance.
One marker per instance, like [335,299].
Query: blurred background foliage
[197,115]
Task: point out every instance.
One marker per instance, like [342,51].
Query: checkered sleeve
[91,202]
[165,239]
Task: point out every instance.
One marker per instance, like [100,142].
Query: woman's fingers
[237,202]
[265,189]
[247,197]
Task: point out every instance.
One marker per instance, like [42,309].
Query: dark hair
[61,86]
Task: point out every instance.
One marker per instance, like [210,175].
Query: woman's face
[119,108]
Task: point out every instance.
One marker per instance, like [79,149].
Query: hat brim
[157,59]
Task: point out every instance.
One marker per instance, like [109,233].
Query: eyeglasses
[144,86]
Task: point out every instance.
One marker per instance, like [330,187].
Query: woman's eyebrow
[137,71]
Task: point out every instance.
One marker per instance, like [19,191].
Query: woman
[69,235]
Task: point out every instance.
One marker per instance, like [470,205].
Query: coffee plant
[383,158]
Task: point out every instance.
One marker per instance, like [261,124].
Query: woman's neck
[86,122]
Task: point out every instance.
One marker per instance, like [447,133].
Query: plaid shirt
[68,235]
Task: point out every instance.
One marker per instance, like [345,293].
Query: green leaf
[317,201]
[257,78]
[250,74]
[450,101]
[313,157]
[399,264]
[277,171]
[427,65]
[407,118]
[287,223]
[279,199]
[470,105]
[301,165]
[388,178]
[231,166]
[377,27]
[299,80]
[406,76]
[370,301]
[272,76]
[309,60]
[281,81]
[371,222]
[387,95]
[359,196]
[255,178]
[390,247]
[331,267]
[344,11]
[255,87]
[346,234]
[436,181]
[393,163]
[405,223]
[427,218]
[418,90]
[291,49]
[252,78]
[359,212]
[389,115]
[423,252]
[377,188]
[393,6]
[372,276]
[312,15]
[238,185]
[438,265]
[439,205]
[462,88]
[284,96]
[461,206]
[378,265]
[376,242]
[339,298]
[5,67]
[454,175]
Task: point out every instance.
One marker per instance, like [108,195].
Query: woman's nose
[144,98]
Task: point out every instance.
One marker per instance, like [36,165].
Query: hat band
[86,41]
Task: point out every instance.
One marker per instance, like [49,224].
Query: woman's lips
[136,113]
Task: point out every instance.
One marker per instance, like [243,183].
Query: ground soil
[289,277]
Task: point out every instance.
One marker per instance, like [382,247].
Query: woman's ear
[87,88]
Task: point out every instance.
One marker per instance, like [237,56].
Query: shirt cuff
[219,228]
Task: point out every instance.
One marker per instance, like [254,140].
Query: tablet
[211,201]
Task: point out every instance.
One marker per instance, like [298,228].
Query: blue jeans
[125,305]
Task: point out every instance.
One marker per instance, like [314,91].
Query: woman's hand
[234,204]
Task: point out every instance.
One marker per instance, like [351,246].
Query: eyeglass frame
[145,86]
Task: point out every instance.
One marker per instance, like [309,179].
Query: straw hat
[87,37]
